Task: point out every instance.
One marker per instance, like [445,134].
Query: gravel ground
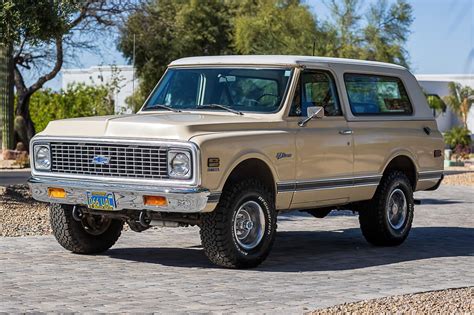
[451,301]
[20,215]
[465,179]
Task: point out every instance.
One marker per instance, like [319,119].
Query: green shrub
[77,100]
[436,103]
[458,136]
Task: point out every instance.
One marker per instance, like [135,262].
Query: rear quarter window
[371,95]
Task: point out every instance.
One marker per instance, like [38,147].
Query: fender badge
[282,155]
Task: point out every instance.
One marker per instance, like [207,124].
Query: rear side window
[377,95]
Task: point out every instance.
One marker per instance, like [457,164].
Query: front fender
[232,148]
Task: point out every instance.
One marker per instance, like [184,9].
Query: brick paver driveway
[315,263]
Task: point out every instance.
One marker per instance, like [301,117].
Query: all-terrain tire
[217,228]
[72,236]
[374,214]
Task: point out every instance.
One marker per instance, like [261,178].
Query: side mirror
[313,112]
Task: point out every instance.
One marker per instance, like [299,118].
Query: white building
[438,84]
[101,75]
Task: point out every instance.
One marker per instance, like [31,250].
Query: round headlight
[42,158]
[180,165]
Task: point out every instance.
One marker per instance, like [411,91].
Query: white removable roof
[275,60]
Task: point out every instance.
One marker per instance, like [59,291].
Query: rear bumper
[127,196]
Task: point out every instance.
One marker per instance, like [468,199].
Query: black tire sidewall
[72,235]
[401,184]
[79,230]
[268,235]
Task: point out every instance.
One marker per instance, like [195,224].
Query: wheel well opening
[404,164]
[252,168]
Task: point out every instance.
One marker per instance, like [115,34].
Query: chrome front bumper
[127,196]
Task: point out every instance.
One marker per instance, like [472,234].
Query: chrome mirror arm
[314,111]
[305,121]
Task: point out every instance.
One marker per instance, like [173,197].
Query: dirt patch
[464,179]
[20,214]
[451,301]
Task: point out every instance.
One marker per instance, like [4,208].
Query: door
[384,98]
[324,162]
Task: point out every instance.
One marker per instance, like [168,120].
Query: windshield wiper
[164,107]
[221,107]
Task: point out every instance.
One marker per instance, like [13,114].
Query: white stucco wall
[102,75]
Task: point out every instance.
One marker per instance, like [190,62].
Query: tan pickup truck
[227,143]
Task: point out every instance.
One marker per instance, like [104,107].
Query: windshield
[236,89]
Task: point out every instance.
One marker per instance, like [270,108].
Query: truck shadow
[427,201]
[296,251]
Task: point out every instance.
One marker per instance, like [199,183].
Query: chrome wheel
[397,209]
[95,224]
[249,225]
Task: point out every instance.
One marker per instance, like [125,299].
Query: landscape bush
[459,140]
[78,100]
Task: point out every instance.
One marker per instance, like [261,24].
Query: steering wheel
[266,94]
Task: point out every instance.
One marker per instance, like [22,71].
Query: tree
[460,100]
[379,34]
[41,32]
[284,27]
[165,30]
[387,32]
[436,104]
[346,26]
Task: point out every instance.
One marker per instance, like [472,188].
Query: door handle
[346,132]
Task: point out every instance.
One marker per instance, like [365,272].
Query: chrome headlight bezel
[45,150]
[176,156]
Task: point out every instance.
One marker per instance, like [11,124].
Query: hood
[173,126]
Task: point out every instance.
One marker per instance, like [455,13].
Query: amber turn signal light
[155,201]
[56,193]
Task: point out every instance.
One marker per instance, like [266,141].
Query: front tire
[240,232]
[386,220]
[92,235]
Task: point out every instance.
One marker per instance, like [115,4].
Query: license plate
[101,200]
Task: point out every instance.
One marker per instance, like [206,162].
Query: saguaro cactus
[6,96]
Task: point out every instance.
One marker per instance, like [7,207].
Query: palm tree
[460,100]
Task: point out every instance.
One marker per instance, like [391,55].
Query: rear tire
[386,220]
[240,232]
[80,236]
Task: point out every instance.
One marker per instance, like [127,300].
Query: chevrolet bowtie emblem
[100,160]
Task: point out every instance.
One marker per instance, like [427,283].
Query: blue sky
[441,42]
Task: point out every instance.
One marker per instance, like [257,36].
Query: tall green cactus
[6,96]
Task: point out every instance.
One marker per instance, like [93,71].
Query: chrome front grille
[118,160]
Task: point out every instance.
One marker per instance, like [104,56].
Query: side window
[316,88]
[377,95]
